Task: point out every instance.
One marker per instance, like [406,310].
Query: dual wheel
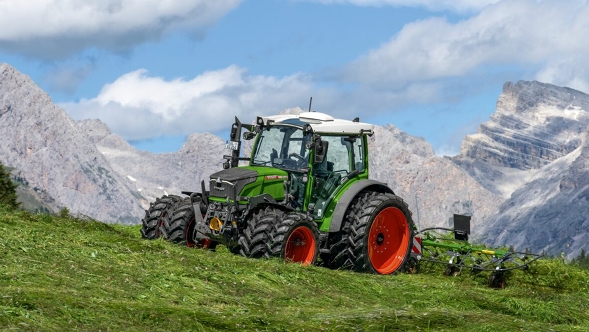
[272,233]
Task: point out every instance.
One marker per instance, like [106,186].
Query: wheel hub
[380,239]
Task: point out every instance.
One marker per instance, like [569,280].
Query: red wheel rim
[388,240]
[203,243]
[300,246]
[160,223]
[188,234]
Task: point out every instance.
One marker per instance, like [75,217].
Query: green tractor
[305,196]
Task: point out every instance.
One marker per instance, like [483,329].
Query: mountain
[55,157]
[550,213]
[534,124]
[154,175]
[534,152]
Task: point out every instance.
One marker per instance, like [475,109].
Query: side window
[295,143]
[338,157]
[358,154]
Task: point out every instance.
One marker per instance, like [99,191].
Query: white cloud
[56,28]
[137,106]
[526,33]
[435,5]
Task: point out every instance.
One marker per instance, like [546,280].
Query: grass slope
[61,274]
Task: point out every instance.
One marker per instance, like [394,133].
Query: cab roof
[320,123]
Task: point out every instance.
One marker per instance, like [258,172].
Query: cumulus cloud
[57,28]
[434,5]
[137,106]
[533,34]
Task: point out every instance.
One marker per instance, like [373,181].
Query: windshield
[282,147]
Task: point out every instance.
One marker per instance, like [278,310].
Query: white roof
[322,123]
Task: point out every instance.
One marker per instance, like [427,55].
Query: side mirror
[248,135]
[320,150]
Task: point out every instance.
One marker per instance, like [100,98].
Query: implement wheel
[497,280]
[381,233]
[295,239]
[158,213]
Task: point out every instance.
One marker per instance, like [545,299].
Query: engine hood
[248,181]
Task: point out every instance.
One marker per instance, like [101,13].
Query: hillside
[61,274]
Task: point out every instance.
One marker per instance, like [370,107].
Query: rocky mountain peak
[533,125]
[528,96]
[54,154]
[94,128]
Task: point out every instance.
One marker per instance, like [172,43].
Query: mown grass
[59,274]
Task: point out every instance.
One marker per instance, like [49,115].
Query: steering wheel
[301,161]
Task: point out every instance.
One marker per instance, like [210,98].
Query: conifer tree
[7,189]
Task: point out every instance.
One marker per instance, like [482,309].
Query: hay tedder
[305,196]
[450,247]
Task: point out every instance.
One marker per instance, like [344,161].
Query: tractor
[304,196]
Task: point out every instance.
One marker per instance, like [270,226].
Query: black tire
[497,280]
[158,212]
[254,242]
[377,235]
[412,266]
[180,227]
[295,239]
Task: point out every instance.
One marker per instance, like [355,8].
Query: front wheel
[381,233]
[295,239]
[158,213]
[180,228]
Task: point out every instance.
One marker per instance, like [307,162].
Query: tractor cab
[320,154]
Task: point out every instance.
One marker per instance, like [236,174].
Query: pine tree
[7,189]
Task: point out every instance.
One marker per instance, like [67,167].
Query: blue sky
[157,71]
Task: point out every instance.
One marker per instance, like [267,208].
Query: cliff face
[56,157]
[533,152]
[533,125]
[550,213]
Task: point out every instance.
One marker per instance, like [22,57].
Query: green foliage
[64,213]
[65,274]
[7,189]
[582,260]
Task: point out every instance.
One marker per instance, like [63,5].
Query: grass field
[59,274]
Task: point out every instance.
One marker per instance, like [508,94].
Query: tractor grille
[220,189]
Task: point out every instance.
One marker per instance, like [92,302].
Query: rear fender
[344,202]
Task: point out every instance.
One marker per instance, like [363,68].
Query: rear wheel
[254,242]
[380,233]
[295,239]
[159,212]
[180,228]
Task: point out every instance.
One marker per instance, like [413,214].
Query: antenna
[310,102]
